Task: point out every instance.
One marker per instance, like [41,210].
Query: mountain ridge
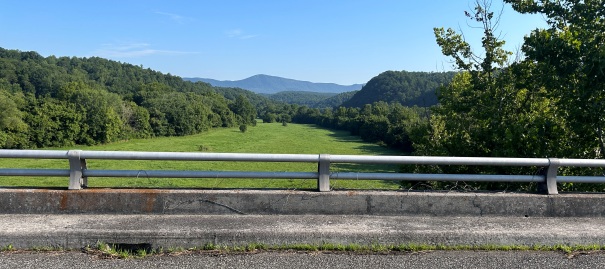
[272,84]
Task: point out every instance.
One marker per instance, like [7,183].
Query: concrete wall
[283,202]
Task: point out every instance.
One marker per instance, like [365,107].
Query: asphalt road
[286,259]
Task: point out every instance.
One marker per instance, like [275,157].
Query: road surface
[291,259]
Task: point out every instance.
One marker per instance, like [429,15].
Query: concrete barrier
[164,218]
[285,202]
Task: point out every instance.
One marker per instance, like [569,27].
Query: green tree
[492,108]
[243,109]
[467,118]
[135,121]
[570,63]
[13,130]
[54,123]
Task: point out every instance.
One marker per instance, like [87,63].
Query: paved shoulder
[76,231]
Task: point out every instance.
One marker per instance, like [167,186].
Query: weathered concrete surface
[155,231]
[283,202]
[188,218]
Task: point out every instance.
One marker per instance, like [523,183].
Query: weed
[47,248]
[120,251]
[209,246]
[204,148]
[172,250]
[256,246]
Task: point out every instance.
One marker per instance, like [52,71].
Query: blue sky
[339,41]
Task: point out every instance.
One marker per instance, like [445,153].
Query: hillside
[406,88]
[309,99]
[336,100]
[63,101]
[272,84]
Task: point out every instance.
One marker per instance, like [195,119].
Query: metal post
[84,179]
[76,165]
[323,180]
[550,177]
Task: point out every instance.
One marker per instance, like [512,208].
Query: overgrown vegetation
[548,104]
[121,251]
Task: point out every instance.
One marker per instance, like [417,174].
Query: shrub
[204,148]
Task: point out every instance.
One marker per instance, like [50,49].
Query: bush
[204,148]
[243,128]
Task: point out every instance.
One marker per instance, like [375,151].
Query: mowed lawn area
[263,138]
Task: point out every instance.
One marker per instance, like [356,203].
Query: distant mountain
[406,88]
[272,84]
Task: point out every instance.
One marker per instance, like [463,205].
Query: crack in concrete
[223,205]
[177,204]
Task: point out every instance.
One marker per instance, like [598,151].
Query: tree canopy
[569,59]
[52,102]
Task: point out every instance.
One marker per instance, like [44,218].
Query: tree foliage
[549,104]
[492,108]
[309,99]
[570,62]
[392,125]
[336,100]
[53,102]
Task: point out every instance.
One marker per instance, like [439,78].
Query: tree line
[55,102]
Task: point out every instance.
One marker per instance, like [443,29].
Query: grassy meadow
[263,138]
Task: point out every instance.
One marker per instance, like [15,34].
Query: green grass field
[263,138]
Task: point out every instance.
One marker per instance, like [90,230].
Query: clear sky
[339,41]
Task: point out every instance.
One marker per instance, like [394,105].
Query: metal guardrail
[78,173]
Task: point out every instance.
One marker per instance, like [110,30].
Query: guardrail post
[76,166]
[323,180]
[550,177]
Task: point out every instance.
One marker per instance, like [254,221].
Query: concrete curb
[166,231]
[283,202]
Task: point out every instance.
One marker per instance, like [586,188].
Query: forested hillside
[406,88]
[50,101]
[309,99]
[336,100]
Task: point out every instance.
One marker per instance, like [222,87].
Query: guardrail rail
[78,173]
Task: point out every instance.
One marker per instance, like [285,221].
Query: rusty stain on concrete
[63,201]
